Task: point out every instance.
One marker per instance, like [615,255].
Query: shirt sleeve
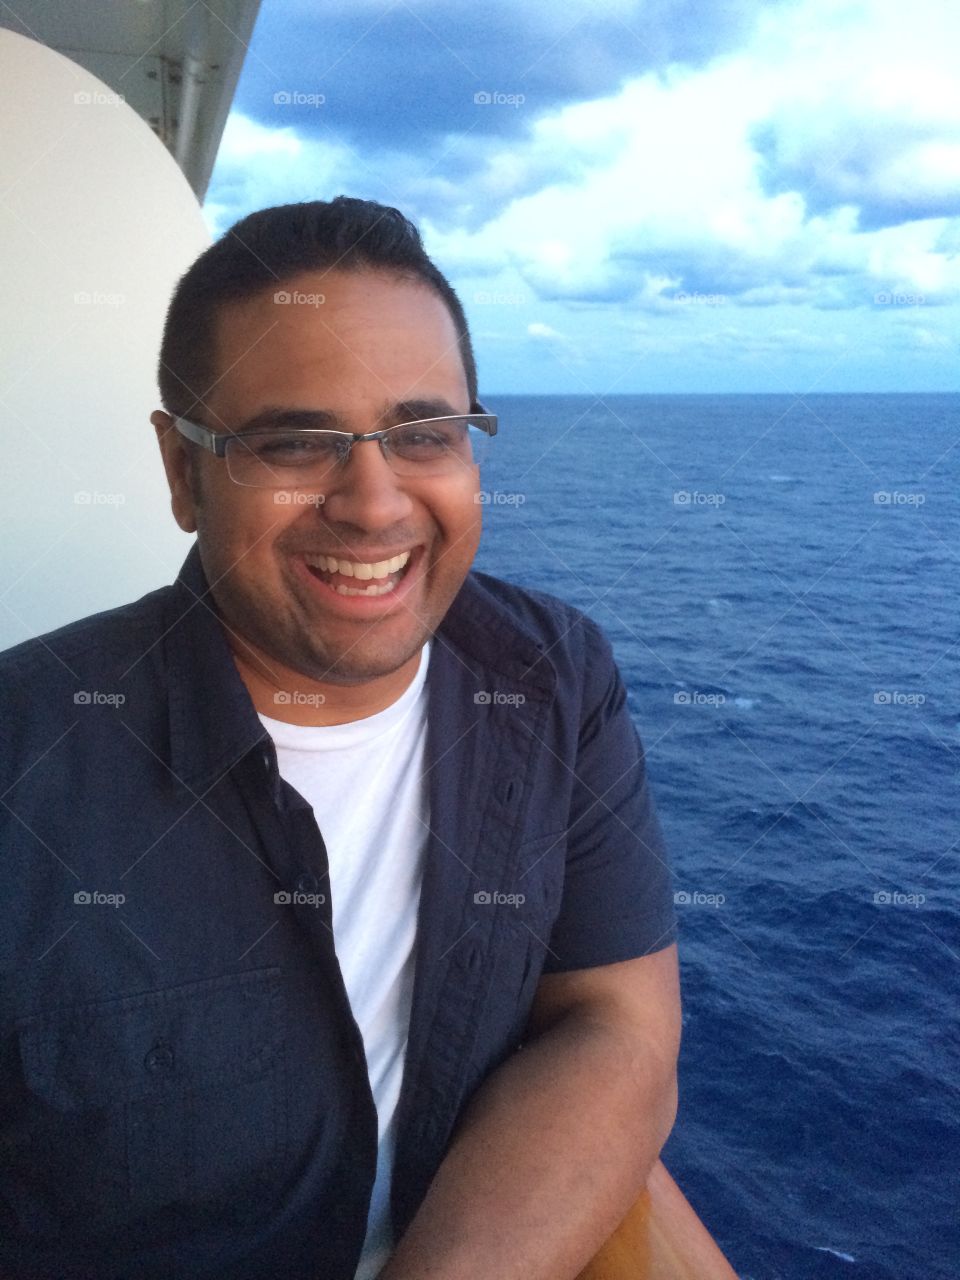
[617,901]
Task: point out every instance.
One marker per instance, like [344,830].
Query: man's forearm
[551,1153]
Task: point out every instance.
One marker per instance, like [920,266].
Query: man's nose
[365,491]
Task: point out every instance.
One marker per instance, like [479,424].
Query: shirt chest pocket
[171,1098]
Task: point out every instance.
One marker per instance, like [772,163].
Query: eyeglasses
[303,458]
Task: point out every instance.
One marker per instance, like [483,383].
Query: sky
[672,196]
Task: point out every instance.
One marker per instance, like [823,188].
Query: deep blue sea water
[791,649]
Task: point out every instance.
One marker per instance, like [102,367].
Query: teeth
[374,590]
[359,568]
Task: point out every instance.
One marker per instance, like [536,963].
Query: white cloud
[258,166]
[666,186]
[797,178]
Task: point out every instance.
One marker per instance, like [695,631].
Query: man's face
[376,345]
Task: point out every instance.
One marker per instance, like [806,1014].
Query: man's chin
[354,666]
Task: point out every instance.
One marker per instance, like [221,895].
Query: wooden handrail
[661,1238]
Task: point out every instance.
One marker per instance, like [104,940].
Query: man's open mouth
[360,577]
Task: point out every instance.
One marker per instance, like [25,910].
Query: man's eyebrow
[413,410]
[276,417]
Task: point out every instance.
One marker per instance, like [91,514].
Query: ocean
[779,577]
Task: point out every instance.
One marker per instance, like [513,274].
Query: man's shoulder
[97,641]
[550,623]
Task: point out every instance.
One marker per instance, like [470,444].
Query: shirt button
[308,883]
[160,1058]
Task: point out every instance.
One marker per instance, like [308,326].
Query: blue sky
[672,196]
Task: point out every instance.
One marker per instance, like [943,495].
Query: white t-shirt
[365,783]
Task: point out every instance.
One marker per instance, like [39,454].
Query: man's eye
[426,440]
[291,450]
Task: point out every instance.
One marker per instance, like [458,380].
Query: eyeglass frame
[216,441]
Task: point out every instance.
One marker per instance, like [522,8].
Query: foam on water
[844,1257]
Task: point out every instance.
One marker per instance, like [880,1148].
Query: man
[339,937]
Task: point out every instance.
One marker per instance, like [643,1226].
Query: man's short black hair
[267,249]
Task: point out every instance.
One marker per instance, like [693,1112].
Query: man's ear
[178,466]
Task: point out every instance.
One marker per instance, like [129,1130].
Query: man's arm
[556,1144]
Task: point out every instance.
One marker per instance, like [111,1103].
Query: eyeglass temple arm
[477,407]
[215,441]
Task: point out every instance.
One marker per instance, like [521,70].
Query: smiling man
[339,935]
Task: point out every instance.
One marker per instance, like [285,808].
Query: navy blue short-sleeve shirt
[183,1089]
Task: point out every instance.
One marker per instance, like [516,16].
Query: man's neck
[283,694]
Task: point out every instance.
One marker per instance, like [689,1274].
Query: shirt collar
[213,722]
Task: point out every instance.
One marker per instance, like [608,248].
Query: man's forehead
[374,332]
[332,294]
[333,315]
